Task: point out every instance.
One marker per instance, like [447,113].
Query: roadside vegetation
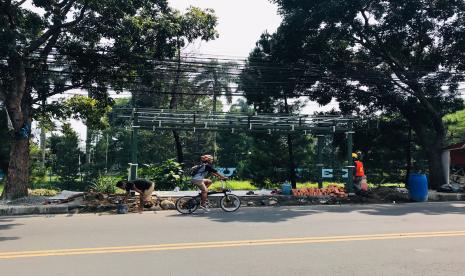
[364,55]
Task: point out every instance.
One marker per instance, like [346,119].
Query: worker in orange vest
[360,182]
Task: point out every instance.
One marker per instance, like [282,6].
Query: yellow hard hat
[354,155]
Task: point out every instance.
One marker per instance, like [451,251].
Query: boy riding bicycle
[199,178]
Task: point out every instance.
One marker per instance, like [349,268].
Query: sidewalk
[260,198]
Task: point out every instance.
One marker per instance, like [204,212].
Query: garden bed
[99,202]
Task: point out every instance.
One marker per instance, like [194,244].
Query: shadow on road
[262,214]
[279,214]
[432,208]
[425,208]
[4,225]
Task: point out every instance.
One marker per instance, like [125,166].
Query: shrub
[166,176]
[104,184]
[43,192]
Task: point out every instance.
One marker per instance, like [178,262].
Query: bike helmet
[206,157]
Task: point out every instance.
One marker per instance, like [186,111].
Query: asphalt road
[407,239]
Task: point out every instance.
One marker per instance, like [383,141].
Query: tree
[394,56]
[456,127]
[5,146]
[194,24]
[216,78]
[66,151]
[73,34]
[269,86]
[161,83]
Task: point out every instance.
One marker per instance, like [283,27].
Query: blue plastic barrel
[418,187]
[286,189]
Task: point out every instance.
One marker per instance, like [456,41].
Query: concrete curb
[15,210]
[253,200]
[437,196]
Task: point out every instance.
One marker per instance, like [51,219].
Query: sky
[240,24]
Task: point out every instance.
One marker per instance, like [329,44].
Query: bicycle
[189,204]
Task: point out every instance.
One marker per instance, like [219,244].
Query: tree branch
[380,47]
[17,4]
[67,7]
[34,45]
[48,48]
[400,72]
[6,9]
[60,91]
[2,95]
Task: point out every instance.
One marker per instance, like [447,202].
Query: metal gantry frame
[189,120]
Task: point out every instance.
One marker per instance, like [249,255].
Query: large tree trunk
[18,108]
[177,139]
[432,142]
[18,170]
[437,175]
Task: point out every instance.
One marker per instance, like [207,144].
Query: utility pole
[106,156]
[350,163]
[42,138]
[133,165]
[319,163]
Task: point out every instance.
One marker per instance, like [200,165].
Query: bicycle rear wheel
[230,203]
[186,205]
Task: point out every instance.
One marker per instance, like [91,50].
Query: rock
[302,200]
[90,196]
[250,204]
[155,208]
[166,205]
[273,201]
[101,196]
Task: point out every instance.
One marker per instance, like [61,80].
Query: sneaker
[205,208]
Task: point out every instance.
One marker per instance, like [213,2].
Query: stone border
[249,201]
[15,210]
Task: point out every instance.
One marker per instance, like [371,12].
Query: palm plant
[215,79]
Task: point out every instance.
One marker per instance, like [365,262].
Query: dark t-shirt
[203,171]
[141,184]
[209,168]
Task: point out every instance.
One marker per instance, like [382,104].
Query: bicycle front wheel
[230,203]
[186,205]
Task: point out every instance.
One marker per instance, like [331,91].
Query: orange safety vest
[359,171]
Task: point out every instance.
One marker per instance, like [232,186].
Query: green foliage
[234,185]
[43,192]
[370,56]
[91,111]
[105,184]
[215,79]
[66,151]
[97,45]
[384,160]
[166,176]
[456,126]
